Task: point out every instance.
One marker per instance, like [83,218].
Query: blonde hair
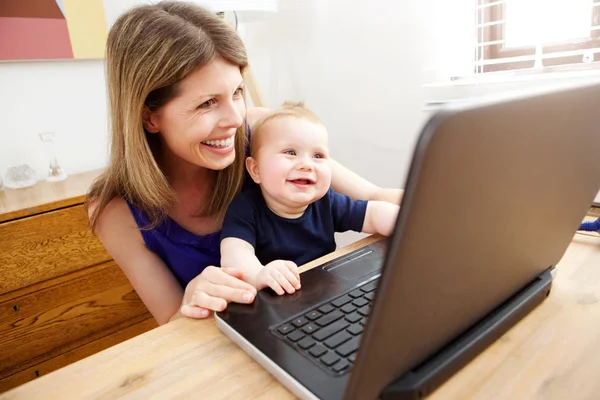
[288,109]
[150,50]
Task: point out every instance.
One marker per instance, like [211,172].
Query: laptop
[494,195]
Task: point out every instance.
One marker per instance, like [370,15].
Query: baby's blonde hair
[288,109]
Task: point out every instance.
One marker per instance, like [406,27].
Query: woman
[179,135]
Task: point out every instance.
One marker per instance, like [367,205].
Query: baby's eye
[290,152]
[319,155]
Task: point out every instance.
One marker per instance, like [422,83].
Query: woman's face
[200,123]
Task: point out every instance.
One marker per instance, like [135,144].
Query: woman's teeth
[219,143]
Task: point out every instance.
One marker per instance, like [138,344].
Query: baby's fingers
[274,284]
[283,277]
[293,268]
[291,277]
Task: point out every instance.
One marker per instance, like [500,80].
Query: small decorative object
[20,176]
[55,172]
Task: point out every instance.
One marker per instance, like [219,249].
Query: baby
[290,216]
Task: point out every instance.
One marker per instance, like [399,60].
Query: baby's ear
[252,167]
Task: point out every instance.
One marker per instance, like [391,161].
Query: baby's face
[293,161]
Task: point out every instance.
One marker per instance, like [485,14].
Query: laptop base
[424,379]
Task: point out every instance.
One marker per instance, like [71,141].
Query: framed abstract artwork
[52,29]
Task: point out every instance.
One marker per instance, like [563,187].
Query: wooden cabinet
[62,298]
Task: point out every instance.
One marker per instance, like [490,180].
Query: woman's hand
[212,290]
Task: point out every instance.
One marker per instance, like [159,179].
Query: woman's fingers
[230,294]
[229,277]
[194,312]
[203,299]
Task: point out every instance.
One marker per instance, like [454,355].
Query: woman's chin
[219,162]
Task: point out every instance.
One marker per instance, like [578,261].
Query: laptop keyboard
[330,334]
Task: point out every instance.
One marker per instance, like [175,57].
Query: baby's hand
[281,276]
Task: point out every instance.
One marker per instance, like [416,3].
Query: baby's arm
[380,217]
[239,254]
[281,276]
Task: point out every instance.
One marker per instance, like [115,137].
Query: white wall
[66,97]
[359,67]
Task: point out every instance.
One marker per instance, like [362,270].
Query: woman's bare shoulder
[115,209]
[116,223]
[256,113]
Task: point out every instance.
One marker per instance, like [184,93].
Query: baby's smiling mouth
[301,181]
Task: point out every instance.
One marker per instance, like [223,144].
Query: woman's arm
[380,218]
[149,276]
[353,185]
[342,179]
[153,281]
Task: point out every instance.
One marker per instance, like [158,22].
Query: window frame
[488,29]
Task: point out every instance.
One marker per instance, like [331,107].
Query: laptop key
[369,287]
[349,347]
[360,302]
[306,343]
[340,301]
[330,358]
[317,351]
[295,336]
[310,328]
[329,318]
[298,322]
[355,329]
[370,296]
[363,322]
[330,330]
[340,366]
[327,308]
[348,308]
[356,293]
[285,329]
[354,317]
[314,315]
[337,339]
[352,357]
[364,310]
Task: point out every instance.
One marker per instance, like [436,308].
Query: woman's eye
[238,92]
[207,104]
[290,152]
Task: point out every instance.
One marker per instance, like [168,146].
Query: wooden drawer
[65,316]
[41,247]
[45,367]
[62,298]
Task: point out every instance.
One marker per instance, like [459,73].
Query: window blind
[525,34]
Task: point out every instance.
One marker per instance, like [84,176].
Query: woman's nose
[231,115]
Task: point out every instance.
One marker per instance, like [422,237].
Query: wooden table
[554,353]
